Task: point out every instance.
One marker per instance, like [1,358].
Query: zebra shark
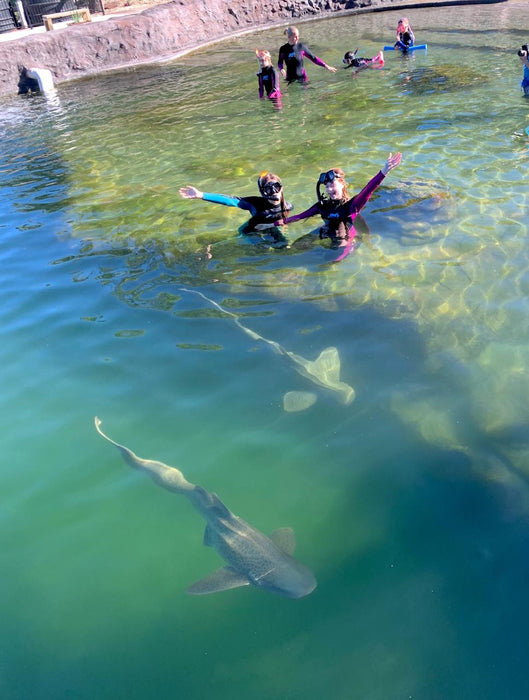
[251,556]
[324,371]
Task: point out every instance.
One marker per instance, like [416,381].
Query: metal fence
[35,10]
[7,17]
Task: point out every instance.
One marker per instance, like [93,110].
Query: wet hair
[291,30]
[403,20]
[263,54]
[321,193]
[266,177]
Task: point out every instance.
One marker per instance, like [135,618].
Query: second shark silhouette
[324,371]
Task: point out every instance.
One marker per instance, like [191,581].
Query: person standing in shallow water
[265,210]
[291,55]
[268,78]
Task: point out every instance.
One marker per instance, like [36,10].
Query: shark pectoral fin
[220,580]
[285,539]
[294,401]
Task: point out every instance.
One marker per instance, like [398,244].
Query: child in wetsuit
[523,53]
[351,60]
[265,210]
[405,36]
[267,76]
[336,208]
[291,55]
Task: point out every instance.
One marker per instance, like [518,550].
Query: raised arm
[391,162]
[359,201]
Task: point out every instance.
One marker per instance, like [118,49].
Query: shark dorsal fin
[221,580]
[285,539]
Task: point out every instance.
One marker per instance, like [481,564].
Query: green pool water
[410,504]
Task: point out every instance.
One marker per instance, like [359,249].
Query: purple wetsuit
[291,56]
[339,216]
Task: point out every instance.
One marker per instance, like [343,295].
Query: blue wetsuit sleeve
[311,211]
[222,199]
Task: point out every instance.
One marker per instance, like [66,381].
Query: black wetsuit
[338,216]
[261,209]
[291,56]
[268,82]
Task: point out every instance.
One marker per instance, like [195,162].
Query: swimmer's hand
[283,72]
[391,162]
[331,68]
[190,192]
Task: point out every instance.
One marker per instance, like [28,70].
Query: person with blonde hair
[267,76]
[405,36]
[291,55]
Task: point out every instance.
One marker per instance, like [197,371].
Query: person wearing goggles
[291,55]
[265,210]
[351,60]
[337,208]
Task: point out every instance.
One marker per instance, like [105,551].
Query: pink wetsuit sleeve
[311,211]
[359,201]
[308,53]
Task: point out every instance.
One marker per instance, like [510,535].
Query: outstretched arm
[190,192]
[311,211]
[318,61]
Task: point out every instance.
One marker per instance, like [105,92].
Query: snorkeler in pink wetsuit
[336,208]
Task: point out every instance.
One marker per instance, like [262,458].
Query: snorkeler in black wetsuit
[267,76]
[265,210]
[351,60]
[291,55]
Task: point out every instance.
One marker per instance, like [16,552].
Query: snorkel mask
[323,179]
[269,188]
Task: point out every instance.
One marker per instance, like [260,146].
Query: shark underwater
[251,556]
[324,371]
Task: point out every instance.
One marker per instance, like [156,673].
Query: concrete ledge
[166,31]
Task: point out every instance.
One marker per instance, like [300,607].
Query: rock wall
[158,32]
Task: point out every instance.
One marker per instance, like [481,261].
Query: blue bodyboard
[415,47]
